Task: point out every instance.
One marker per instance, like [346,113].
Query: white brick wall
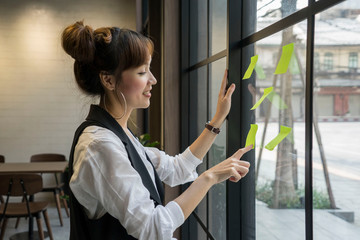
[40,104]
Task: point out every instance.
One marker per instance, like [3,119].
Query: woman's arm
[203,143]
[232,168]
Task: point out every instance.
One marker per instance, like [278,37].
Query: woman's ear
[107,80]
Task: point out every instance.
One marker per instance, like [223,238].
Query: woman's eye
[142,73]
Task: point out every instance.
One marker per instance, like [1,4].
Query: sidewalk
[341,146]
[281,224]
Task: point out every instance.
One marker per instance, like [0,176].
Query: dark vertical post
[156,34]
[308,125]
[233,212]
[184,95]
[240,196]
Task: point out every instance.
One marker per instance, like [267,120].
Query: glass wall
[271,11]
[280,171]
[336,155]
[207,36]
[305,106]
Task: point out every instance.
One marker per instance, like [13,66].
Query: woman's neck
[122,119]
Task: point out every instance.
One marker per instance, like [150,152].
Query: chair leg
[40,228]
[47,222]
[17,223]
[18,219]
[3,227]
[65,203]
[57,199]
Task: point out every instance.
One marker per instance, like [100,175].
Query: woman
[116,190]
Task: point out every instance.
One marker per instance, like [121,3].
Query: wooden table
[32,167]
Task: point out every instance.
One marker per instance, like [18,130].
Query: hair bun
[78,42]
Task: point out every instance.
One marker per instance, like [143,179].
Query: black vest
[107,227]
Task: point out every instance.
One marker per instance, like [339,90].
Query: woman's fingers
[230,91]
[223,84]
[238,169]
[239,153]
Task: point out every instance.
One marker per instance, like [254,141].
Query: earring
[125,105]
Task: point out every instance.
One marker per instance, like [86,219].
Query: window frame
[242,216]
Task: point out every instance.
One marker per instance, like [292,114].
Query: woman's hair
[109,49]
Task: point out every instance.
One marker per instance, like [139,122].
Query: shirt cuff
[176,214]
[188,155]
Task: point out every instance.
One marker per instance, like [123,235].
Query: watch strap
[212,128]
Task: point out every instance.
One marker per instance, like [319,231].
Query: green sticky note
[251,67]
[259,71]
[250,139]
[293,65]
[267,91]
[284,131]
[283,64]
[277,101]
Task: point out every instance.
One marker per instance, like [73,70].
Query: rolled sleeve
[176,214]
[174,170]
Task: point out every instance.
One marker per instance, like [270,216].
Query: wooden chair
[57,189]
[23,185]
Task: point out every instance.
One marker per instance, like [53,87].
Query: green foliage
[264,193]
[145,141]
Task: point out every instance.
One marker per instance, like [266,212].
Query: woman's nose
[152,80]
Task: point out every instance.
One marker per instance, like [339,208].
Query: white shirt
[104,181]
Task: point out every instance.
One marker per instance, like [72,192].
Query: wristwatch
[211,128]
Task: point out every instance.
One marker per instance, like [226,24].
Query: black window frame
[241,196]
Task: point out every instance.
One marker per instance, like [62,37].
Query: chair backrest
[48,157]
[2,159]
[31,182]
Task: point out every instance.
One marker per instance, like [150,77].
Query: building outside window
[328,61]
[316,61]
[353,60]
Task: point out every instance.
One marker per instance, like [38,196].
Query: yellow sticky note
[250,139]
[287,52]
[259,71]
[251,67]
[284,131]
[294,65]
[267,91]
[276,101]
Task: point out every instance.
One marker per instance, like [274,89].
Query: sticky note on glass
[284,131]
[250,139]
[251,67]
[293,65]
[277,101]
[283,64]
[267,91]
[259,71]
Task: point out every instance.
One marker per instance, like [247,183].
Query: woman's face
[136,84]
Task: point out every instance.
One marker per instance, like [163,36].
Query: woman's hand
[224,102]
[232,168]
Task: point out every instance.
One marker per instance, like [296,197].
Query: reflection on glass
[198,108]
[270,11]
[217,153]
[280,170]
[198,31]
[217,26]
[336,141]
